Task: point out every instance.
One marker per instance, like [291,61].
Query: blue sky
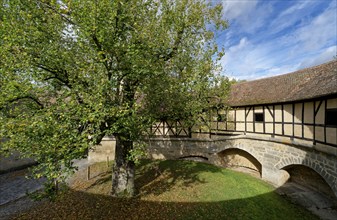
[272,37]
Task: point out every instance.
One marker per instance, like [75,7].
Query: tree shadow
[158,198]
[83,205]
[101,179]
[157,177]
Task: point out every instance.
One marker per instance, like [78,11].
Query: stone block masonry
[275,157]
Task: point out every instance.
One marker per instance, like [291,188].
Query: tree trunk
[123,171]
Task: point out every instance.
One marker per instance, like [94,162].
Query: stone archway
[241,160]
[309,178]
[321,171]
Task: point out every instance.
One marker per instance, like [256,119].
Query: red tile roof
[303,84]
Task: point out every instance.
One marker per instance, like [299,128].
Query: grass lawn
[173,190]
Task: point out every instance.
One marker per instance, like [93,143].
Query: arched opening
[240,160]
[195,158]
[309,178]
[307,188]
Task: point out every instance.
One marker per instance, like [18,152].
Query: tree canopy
[72,72]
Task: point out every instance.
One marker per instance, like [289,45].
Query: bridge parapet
[274,155]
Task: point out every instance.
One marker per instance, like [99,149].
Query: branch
[100,49]
[66,82]
[47,69]
[59,13]
[176,44]
[56,75]
[34,99]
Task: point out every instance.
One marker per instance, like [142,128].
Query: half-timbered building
[298,106]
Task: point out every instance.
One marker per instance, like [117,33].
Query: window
[258,117]
[331,117]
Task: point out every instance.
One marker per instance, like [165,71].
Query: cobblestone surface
[13,190]
[14,187]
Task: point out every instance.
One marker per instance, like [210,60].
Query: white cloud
[246,13]
[324,56]
[240,58]
[292,15]
[296,7]
[320,31]
[256,56]
[237,9]
[242,44]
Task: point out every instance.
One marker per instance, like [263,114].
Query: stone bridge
[274,160]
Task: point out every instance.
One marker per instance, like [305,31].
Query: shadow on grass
[157,177]
[101,179]
[82,205]
[155,180]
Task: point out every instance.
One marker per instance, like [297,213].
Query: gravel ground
[315,202]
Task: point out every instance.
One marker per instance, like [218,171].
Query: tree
[73,72]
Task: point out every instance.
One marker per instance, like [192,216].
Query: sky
[272,37]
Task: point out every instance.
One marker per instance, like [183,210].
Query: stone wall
[237,158]
[103,152]
[100,153]
[272,158]
[273,155]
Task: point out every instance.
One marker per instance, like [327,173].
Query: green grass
[215,193]
[174,190]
